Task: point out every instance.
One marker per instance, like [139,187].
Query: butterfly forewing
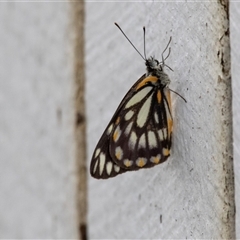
[142,136]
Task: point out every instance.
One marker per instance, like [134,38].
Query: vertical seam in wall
[227,133]
[78,19]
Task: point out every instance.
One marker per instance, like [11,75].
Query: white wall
[193,190]
[37,158]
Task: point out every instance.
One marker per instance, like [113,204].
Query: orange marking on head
[146,80]
[159,96]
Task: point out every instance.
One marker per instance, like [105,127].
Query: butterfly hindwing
[102,166]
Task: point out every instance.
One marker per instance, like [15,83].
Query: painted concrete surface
[37,165]
[190,195]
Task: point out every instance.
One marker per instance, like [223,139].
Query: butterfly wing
[141,138]
[139,134]
[102,166]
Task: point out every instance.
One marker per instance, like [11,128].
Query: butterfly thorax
[156,68]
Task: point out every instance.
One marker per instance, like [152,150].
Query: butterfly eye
[156,61]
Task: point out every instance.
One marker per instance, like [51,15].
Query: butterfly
[139,134]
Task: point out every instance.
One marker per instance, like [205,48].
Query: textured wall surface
[190,195]
[235,60]
[37,159]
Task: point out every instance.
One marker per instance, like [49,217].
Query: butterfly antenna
[130,41]
[178,95]
[169,51]
[165,50]
[144,42]
[165,65]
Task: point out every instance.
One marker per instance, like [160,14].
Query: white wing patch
[95,166]
[152,141]
[102,163]
[109,129]
[117,134]
[142,141]
[165,133]
[109,167]
[128,115]
[138,96]
[144,111]
[156,117]
[118,153]
[132,140]
[128,128]
[97,152]
[116,168]
[160,135]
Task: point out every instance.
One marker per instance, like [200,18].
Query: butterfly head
[156,68]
